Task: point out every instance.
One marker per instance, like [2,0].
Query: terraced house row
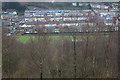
[68,20]
[39,21]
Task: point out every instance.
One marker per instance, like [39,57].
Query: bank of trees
[14,5]
[85,56]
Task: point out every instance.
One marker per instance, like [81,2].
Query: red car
[18,34]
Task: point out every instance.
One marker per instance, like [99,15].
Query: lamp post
[74,52]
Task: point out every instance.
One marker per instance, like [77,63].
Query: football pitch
[26,37]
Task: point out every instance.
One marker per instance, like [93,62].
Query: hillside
[55,5]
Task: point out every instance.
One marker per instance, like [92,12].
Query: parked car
[9,34]
[18,34]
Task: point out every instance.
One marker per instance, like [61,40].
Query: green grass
[26,38]
[55,37]
[23,38]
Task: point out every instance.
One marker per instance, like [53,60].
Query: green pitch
[26,38]
[23,38]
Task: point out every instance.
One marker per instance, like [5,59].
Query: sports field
[26,38]
[23,38]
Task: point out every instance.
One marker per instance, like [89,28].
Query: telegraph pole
[74,45]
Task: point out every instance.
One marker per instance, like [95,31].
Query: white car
[27,32]
[9,34]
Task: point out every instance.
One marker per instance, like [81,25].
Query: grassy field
[23,38]
[26,38]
